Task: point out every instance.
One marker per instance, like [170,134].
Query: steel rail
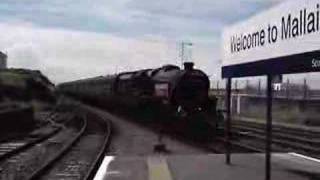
[28,145]
[40,171]
[95,165]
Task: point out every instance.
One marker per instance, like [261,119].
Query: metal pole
[182,51]
[218,89]
[182,54]
[259,87]
[268,128]
[247,86]
[236,86]
[228,123]
[287,88]
[305,88]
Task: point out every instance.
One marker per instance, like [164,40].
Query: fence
[287,89]
[293,102]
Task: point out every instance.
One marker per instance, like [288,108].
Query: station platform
[208,167]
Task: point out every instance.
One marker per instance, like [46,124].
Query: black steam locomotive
[167,92]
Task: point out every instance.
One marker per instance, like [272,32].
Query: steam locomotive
[168,91]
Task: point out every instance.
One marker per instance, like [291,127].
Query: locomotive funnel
[188,66]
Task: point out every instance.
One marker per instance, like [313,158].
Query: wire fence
[289,88]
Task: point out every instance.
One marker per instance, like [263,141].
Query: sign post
[228,123]
[268,128]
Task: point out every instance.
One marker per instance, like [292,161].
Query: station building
[3,60]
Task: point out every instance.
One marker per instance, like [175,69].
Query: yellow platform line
[158,168]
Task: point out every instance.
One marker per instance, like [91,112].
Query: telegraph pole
[183,44]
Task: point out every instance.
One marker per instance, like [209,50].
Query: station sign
[281,40]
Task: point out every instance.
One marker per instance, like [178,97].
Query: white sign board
[291,28]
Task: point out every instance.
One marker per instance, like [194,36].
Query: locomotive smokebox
[188,66]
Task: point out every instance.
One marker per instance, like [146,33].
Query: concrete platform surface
[208,167]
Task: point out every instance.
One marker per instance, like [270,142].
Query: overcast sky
[72,39]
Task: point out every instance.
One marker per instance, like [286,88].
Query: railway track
[8,149]
[250,137]
[284,139]
[19,154]
[16,143]
[214,144]
[81,156]
[70,151]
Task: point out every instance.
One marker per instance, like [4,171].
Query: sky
[73,39]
